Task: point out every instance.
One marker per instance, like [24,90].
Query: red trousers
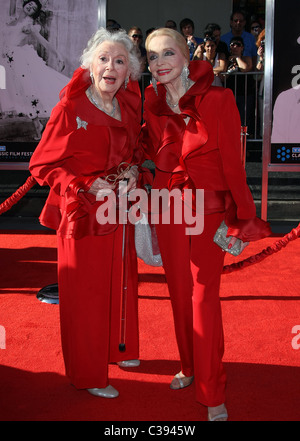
[193,266]
[89,279]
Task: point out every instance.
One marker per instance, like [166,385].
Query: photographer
[208,51]
[261,51]
[187,29]
[260,67]
[237,61]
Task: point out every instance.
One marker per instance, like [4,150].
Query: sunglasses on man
[209,39]
[136,36]
[237,44]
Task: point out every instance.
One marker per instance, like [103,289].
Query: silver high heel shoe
[129,363]
[106,392]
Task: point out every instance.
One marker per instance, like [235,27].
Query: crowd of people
[238,50]
[92,144]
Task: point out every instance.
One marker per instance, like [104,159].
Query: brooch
[81,123]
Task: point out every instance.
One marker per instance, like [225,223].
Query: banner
[285,136]
[41,42]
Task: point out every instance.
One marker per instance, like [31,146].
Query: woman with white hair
[89,145]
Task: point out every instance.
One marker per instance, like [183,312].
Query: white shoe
[219,413]
[129,363]
[180,381]
[107,392]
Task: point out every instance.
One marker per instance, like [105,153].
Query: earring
[92,77]
[185,77]
[154,84]
[126,82]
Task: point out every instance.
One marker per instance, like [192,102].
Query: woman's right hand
[260,51]
[198,54]
[100,187]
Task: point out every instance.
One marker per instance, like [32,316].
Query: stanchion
[244,144]
[49,294]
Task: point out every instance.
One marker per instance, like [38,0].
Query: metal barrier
[247,88]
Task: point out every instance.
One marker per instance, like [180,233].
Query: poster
[285,136]
[41,42]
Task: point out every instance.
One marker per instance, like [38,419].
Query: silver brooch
[81,123]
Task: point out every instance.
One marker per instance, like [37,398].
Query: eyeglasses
[255,28]
[237,44]
[209,39]
[136,36]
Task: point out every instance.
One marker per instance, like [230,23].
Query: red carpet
[260,308]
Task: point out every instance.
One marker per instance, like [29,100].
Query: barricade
[275,248]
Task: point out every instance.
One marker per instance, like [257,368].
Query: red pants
[193,266]
[89,278]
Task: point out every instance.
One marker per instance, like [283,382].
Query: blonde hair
[175,35]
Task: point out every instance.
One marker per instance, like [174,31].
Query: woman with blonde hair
[192,133]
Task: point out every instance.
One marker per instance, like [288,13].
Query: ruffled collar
[179,140]
[81,81]
[78,84]
[201,72]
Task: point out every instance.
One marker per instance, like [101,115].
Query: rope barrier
[252,260]
[12,200]
[259,257]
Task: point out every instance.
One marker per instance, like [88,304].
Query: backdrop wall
[155,13]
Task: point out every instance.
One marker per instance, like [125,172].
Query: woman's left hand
[233,241]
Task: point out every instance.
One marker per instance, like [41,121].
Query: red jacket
[205,153]
[79,144]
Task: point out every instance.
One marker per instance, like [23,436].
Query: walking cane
[124,277]
[244,144]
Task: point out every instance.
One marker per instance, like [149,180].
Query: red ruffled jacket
[205,153]
[79,144]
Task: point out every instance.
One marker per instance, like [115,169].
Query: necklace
[92,99]
[171,105]
[188,85]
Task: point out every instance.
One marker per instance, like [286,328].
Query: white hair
[119,36]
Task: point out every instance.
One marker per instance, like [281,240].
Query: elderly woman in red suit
[91,135]
[192,133]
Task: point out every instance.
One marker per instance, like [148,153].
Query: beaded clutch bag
[146,243]
[223,241]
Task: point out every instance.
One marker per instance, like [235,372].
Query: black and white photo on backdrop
[40,42]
